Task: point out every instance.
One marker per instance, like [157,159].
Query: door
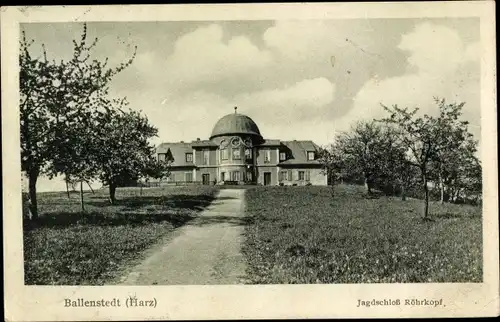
[236,176]
[267,178]
[205,178]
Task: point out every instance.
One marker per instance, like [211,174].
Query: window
[301,175]
[188,176]
[161,156]
[283,175]
[267,156]
[189,157]
[171,177]
[290,175]
[249,176]
[224,155]
[236,154]
[308,175]
[282,156]
[310,155]
[248,154]
[236,175]
[206,157]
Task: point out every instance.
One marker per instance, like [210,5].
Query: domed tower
[236,136]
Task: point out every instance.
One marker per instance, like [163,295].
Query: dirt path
[205,251]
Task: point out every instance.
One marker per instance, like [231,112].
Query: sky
[297,79]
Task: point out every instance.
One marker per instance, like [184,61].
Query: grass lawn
[70,247]
[302,235]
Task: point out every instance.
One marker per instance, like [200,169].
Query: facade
[236,153]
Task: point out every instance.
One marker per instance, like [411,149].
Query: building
[236,153]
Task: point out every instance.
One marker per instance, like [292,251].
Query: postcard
[248,161]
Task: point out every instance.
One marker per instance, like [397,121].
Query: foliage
[430,141]
[331,164]
[298,236]
[56,100]
[368,152]
[69,247]
[456,167]
[123,152]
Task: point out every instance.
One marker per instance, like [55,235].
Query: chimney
[182,141]
[197,139]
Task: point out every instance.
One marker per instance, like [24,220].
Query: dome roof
[235,124]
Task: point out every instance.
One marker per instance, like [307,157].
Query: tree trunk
[88,183]
[67,188]
[453,195]
[112,192]
[426,201]
[441,188]
[32,178]
[457,198]
[332,188]
[368,185]
[81,196]
[403,192]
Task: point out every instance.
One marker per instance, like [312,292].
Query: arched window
[224,154]
[236,154]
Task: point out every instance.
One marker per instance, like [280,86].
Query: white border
[230,302]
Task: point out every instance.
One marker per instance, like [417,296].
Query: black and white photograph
[252,152]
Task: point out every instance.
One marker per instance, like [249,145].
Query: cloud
[301,100]
[202,56]
[187,117]
[443,66]
[299,40]
[291,110]
[436,49]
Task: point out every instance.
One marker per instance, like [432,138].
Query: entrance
[267,178]
[205,178]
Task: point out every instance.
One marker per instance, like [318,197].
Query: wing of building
[236,153]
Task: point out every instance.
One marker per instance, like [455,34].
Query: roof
[177,152]
[235,124]
[268,142]
[297,152]
[203,143]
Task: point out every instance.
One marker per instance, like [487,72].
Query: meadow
[67,246]
[301,235]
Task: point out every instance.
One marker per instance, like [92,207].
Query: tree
[426,138]
[471,181]
[55,97]
[330,165]
[404,175]
[124,152]
[461,175]
[458,150]
[367,151]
